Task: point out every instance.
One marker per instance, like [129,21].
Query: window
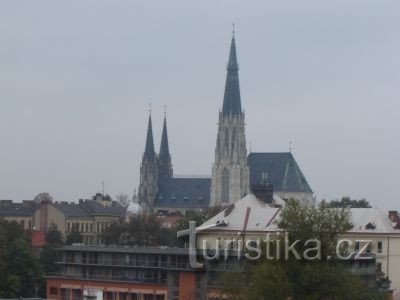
[379,247]
[226,138]
[233,140]
[378,267]
[357,246]
[53,291]
[225,186]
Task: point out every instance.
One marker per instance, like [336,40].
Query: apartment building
[89,217]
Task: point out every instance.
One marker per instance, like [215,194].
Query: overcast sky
[76,78]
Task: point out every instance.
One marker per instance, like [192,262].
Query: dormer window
[370,226]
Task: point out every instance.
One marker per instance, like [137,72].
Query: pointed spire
[149,152]
[232,104]
[164,148]
[165,166]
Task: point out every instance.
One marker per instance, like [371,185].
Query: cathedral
[234,172]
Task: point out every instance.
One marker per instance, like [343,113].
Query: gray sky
[76,78]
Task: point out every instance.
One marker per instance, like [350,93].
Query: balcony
[162,281]
[147,264]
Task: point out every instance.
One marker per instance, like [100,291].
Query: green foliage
[301,279]
[49,254]
[146,230]
[74,237]
[141,230]
[19,268]
[322,223]
[348,202]
[54,236]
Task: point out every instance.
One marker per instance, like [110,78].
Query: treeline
[147,230]
[21,269]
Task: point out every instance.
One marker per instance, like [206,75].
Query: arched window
[225,186]
[233,141]
[226,138]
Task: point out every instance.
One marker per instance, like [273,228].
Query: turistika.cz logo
[277,247]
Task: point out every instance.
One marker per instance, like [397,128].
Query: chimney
[5,203]
[263,191]
[394,216]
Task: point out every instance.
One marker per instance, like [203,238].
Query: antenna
[290,146]
[102,183]
[233,28]
[150,108]
[165,111]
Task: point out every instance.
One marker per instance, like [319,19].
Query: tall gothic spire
[164,148]
[149,152]
[232,104]
[165,166]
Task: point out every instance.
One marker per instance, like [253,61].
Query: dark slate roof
[87,208]
[232,103]
[95,208]
[71,209]
[183,193]
[281,169]
[18,209]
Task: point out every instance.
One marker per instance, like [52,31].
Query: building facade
[88,217]
[125,273]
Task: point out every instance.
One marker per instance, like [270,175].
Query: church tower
[148,173]
[164,158]
[230,174]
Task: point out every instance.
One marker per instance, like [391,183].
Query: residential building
[89,217]
[252,218]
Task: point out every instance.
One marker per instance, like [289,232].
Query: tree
[19,268]
[54,236]
[74,237]
[43,197]
[49,254]
[348,202]
[325,278]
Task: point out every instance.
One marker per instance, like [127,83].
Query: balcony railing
[124,263]
[109,278]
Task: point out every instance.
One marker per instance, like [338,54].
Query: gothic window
[225,186]
[226,138]
[233,140]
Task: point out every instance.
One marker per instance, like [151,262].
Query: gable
[281,170]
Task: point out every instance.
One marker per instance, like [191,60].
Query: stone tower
[230,174]
[148,173]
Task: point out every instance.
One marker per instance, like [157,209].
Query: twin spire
[231,107]
[149,152]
